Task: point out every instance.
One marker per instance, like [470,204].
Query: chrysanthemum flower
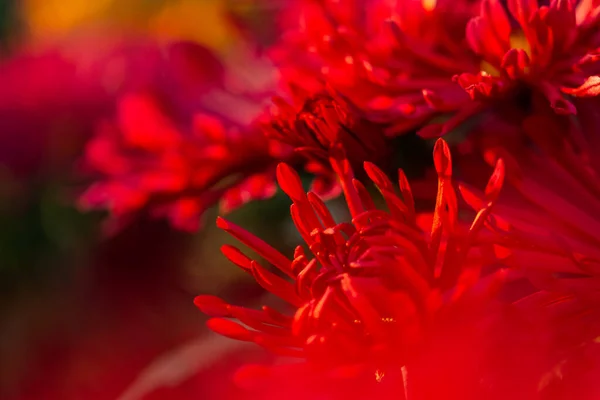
[552,49]
[501,58]
[349,45]
[185,140]
[146,161]
[378,290]
[316,125]
[54,93]
[548,214]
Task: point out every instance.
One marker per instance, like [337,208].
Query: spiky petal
[376,288]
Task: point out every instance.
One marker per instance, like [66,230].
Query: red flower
[548,215]
[552,50]
[378,290]
[437,48]
[321,122]
[52,95]
[185,140]
[147,162]
[349,45]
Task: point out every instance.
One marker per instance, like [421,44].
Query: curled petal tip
[442,158]
[369,166]
[222,223]
[211,305]
[282,168]
[234,255]
[290,182]
[496,181]
[229,329]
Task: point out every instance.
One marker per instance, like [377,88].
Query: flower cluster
[408,62]
[323,121]
[378,288]
[494,294]
[548,217]
[147,162]
[162,155]
[390,294]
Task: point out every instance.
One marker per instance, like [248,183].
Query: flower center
[519,41]
[489,69]
[429,5]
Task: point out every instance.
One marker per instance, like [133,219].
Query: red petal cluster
[378,290]
[320,123]
[411,75]
[553,49]
[548,214]
[394,303]
[184,140]
[146,161]
[389,73]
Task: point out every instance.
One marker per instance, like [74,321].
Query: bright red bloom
[320,123]
[378,291]
[550,52]
[553,50]
[147,162]
[349,45]
[501,59]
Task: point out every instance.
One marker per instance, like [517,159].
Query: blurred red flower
[184,143]
[147,162]
[547,216]
[384,309]
[53,96]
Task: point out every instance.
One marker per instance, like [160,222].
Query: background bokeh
[84,315]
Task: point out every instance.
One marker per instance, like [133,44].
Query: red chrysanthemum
[380,294]
[548,214]
[500,58]
[349,45]
[146,161]
[551,49]
[319,123]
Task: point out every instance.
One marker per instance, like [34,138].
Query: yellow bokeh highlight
[519,41]
[203,21]
[489,69]
[54,17]
[429,5]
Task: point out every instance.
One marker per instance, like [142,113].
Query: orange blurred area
[203,21]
